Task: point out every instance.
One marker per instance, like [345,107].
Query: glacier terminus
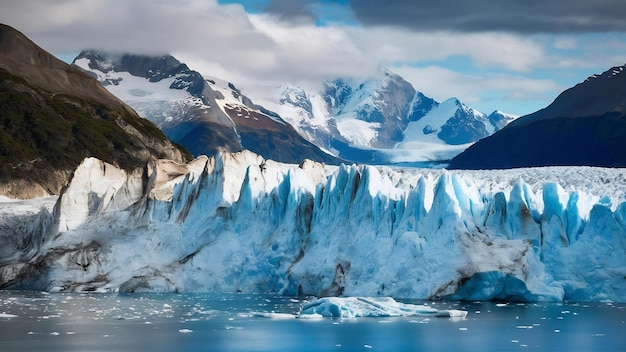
[237,222]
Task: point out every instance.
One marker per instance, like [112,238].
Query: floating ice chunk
[7,315]
[272,315]
[353,307]
[451,313]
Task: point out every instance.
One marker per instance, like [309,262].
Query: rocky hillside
[584,126]
[53,115]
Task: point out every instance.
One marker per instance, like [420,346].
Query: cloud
[518,16]
[486,92]
[292,10]
[287,44]
[502,50]
[566,43]
[144,26]
[258,46]
[306,51]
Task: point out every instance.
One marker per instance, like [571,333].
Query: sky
[510,55]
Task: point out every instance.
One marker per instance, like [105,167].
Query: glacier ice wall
[240,223]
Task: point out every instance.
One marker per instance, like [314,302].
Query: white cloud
[483,49]
[307,52]
[144,26]
[566,43]
[479,90]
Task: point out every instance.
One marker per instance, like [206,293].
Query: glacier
[237,222]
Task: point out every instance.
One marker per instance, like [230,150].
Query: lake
[36,321]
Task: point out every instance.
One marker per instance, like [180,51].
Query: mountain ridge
[350,120]
[204,115]
[374,120]
[53,115]
[585,125]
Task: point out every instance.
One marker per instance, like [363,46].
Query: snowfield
[240,223]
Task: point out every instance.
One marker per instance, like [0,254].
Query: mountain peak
[614,71]
[595,96]
[153,68]
[16,47]
[23,58]
[583,126]
[383,119]
[454,101]
[204,115]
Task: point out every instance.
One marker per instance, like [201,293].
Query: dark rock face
[461,129]
[153,68]
[53,115]
[265,136]
[585,126]
[337,93]
[583,141]
[421,106]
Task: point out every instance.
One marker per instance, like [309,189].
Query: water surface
[34,321]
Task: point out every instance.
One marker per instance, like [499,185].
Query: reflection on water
[236,322]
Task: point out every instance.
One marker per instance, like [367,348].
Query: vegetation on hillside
[59,131]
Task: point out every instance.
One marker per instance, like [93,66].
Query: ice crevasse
[240,223]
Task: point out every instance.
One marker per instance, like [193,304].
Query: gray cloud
[226,42]
[141,26]
[291,10]
[255,47]
[518,16]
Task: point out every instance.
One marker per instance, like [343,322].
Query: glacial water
[35,321]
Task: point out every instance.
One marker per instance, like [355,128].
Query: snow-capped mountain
[584,125]
[241,223]
[204,115]
[386,119]
[382,120]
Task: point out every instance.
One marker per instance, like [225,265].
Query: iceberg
[240,223]
[356,307]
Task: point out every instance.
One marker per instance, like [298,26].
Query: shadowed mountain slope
[584,126]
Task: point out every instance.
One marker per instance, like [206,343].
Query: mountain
[241,223]
[53,115]
[585,125]
[381,120]
[384,120]
[204,115]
